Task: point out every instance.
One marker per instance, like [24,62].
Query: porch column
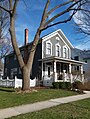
[70,67]
[55,74]
[81,69]
[82,75]
[42,70]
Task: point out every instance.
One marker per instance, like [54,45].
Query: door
[48,70]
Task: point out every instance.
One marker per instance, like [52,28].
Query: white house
[57,64]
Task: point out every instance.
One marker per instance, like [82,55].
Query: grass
[9,98]
[75,110]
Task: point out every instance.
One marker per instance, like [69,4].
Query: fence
[16,83]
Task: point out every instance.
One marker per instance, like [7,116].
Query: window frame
[58,52]
[48,48]
[65,54]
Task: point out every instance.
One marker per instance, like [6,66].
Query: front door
[48,70]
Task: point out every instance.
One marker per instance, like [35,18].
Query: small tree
[71,5]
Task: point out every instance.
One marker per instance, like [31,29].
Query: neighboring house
[83,55]
[52,61]
[1,68]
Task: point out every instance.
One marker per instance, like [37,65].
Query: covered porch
[55,69]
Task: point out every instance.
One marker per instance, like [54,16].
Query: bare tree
[5,42]
[71,5]
[82,20]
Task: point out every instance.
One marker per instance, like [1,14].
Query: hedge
[61,85]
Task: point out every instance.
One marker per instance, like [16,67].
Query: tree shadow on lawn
[7,89]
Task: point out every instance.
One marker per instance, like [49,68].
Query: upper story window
[65,52]
[22,53]
[57,50]
[49,48]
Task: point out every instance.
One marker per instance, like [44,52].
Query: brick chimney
[26,37]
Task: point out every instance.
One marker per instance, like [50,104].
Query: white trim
[69,55]
[42,71]
[61,60]
[50,35]
[57,32]
[66,38]
[57,44]
[63,41]
[46,47]
[42,49]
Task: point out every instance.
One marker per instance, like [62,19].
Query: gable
[58,36]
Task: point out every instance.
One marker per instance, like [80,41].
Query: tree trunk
[26,78]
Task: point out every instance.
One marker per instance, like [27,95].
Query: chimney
[26,37]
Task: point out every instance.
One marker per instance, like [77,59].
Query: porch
[56,69]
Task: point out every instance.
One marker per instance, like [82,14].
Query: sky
[29,15]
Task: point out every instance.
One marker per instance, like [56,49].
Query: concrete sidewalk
[14,111]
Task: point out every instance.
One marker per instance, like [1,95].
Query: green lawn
[74,110]
[9,99]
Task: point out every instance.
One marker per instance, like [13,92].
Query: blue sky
[30,16]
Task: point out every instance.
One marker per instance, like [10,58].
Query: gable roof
[61,35]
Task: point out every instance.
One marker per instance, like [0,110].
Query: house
[52,61]
[83,55]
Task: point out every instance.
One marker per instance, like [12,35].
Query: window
[20,70]
[58,50]
[86,61]
[65,55]
[22,53]
[5,71]
[14,57]
[48,48]
[13,73]
[76,58]
[48,71]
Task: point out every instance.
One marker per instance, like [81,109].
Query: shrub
[85,86]
[55,85]
[61,85]
[76,85]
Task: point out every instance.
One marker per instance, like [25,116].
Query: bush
[81,86]
[55,85]
[76,84]
[61,85]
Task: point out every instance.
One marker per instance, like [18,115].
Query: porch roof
[59,59]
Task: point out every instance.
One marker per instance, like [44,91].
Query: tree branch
[61,13]
[5,9]
[64,21]
[37,36]
[58,6]
[14,7]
